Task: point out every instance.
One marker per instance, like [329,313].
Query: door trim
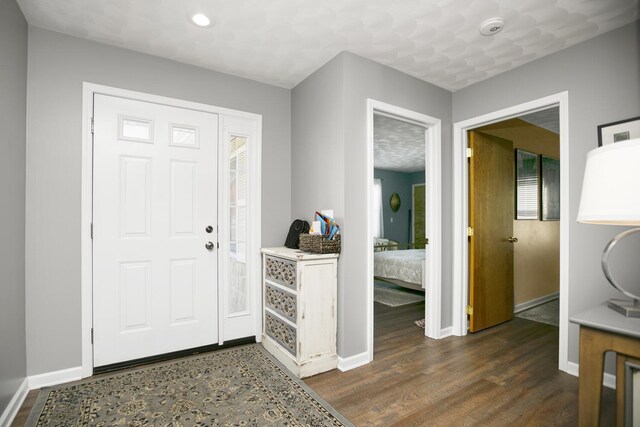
[460,207]
[86,252]
[433,212]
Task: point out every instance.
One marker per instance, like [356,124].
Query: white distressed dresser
[299,309]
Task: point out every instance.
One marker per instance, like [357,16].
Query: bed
[403,267]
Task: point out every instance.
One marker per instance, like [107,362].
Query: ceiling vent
[491,26]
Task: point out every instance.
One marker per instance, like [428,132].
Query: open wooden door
[491,204]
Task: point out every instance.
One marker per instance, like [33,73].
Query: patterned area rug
[548,313]
[395,296]
[232,387]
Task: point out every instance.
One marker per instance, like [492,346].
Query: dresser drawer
[282,302]
[282,333]
[280,271]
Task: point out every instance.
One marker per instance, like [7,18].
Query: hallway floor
[505,375]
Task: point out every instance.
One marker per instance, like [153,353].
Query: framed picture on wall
[550,188]
[623,130]
[526,185]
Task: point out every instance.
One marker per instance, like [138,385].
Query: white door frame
[433,211]
[460,209]
[86,253]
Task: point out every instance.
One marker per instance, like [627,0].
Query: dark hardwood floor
[504,376]
[23,413]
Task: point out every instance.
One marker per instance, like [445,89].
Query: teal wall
[401,183]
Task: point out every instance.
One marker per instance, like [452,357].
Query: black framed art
[549,188]
[622,130]
[526,185]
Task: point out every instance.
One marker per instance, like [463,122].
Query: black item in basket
[298,227]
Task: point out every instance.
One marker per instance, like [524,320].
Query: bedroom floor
[506,375]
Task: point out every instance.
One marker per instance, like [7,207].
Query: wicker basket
[319,244]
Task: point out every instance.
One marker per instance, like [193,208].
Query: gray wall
[13,108]
[58,65]
[329,112]
[401,183]
[366,79]
[317,164]
[317,159]
[602,78]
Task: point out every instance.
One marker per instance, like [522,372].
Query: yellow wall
[537,252]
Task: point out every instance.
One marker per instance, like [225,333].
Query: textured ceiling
[281,42]
[397,145]
[400,146]
[547,119]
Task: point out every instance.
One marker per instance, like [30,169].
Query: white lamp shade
[611,186]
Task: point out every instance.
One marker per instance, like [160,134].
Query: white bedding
[403,265]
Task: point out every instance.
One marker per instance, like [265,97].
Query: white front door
[155,196]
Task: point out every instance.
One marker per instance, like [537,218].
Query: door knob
[209,246]
[513,239]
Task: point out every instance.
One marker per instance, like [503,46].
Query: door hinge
[469,231]
[92,125]
[91,231]
[469,310]
[469,152]
[91,335]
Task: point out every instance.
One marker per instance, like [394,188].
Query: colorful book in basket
[328,225]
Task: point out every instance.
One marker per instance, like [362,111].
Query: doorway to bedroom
[404,220]
[399,233]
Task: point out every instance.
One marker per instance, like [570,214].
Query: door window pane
[183,136]
[131,129]
[238,292]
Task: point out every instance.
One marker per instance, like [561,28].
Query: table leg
[593,345]
[620,359]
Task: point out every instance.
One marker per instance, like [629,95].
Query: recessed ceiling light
[201,20]
[491,26]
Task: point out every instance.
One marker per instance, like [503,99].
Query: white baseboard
[352,362]
[446,332]
[54,378]
[573,369]
[608,380]
[537,301]
[15,403]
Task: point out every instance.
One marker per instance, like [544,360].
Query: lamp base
[628,308]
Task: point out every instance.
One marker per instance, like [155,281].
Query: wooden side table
[602,330]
